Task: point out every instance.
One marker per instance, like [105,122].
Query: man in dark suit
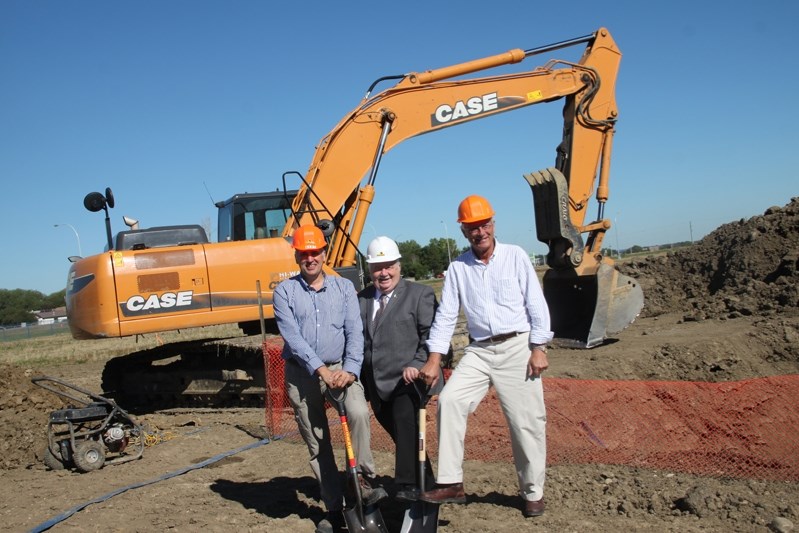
[396,316]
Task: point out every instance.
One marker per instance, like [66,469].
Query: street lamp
[70,226]
[446,233]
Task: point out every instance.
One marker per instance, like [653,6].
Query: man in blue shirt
[319,319]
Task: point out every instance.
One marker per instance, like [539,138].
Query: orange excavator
[169,278]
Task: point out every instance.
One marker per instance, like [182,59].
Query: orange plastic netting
[742,429]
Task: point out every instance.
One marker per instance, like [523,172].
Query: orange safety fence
[741,429]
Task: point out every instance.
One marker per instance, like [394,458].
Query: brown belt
[501,338]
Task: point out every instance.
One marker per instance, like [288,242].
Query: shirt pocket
[336,315]
[508,290]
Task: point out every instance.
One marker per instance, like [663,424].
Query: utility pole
[70,226]
[446,234]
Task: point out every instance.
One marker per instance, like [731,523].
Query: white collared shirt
[497,298]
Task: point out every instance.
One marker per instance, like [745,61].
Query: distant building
[51,316]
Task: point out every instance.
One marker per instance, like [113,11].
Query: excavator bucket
[584,310]
[585,306]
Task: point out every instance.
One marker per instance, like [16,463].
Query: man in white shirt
[509,327]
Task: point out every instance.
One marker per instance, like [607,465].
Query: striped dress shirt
[320,327]
[500,297]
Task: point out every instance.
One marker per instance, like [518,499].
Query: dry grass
[62,348]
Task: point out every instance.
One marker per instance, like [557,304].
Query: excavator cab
[252,216]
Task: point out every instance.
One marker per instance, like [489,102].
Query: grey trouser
[307,396]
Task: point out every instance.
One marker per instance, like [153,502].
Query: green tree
[16,305]
[436,254]
[412,265]
[57,299]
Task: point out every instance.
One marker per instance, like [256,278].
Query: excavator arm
[339,184]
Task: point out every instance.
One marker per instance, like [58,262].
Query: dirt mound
[24,411]
[744,268]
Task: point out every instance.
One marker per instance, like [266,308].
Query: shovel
[421,517]
[358,517]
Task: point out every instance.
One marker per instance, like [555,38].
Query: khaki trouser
[307,396]
[503,365]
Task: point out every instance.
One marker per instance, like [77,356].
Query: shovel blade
[370,521]
[420,517]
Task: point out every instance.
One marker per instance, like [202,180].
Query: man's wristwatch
[542,347]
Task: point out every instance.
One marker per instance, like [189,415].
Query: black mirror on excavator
[327,227]
[109,197]
[94,201]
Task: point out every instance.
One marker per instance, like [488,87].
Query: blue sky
[166,102]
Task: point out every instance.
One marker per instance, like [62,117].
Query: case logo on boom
[167,300]
[475,105]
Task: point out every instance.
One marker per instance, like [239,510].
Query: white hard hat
[382,250]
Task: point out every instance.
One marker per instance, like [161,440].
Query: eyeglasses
[310,253]
[473,230]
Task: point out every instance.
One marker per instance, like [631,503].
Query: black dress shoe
[532,509]
[407,493]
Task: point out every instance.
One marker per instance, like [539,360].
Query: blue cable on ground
[66,514]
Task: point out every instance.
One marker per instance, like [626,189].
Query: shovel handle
[421,390]
[337,397]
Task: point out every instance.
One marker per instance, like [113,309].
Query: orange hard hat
[473,209]
[308,237]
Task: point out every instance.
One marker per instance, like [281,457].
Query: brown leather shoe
[532,509]
[452,493]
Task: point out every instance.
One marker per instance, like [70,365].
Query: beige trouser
[307,396]
[503,365]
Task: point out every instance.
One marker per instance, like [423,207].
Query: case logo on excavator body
[475,105]
[154,302]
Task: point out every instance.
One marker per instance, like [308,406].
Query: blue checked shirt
[497,298]
[320,327]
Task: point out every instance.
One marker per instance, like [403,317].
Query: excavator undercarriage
[197,373]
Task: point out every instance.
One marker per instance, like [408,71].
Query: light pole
[446,233]
[70,226]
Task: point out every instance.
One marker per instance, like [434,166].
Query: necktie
[381,306]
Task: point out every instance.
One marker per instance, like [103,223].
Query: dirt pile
[744,268]
[24,411]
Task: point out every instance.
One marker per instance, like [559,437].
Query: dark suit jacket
[399,340]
